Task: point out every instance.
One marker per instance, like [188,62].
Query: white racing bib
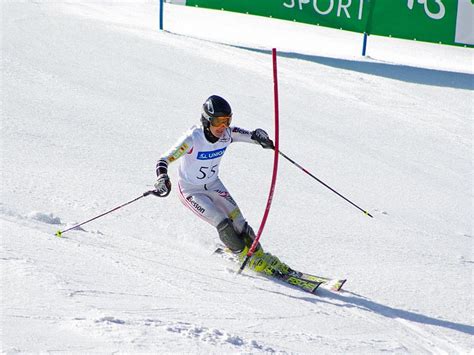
[200,159]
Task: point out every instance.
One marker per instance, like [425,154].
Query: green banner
[431,20]
[439,21]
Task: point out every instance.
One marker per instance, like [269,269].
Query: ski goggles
[221,120]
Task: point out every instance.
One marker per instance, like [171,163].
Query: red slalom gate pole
[275,163]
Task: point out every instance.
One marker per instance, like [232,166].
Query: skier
[200,188]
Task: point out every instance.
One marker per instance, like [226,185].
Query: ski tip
[59,234]
[341,283]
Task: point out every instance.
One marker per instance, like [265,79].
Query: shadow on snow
[416,75]
[352,300]
[404,73]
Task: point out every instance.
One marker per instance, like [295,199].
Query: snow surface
[92,93]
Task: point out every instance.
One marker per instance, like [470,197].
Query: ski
[331,284]
[307,282]
[292,278]
[305,285]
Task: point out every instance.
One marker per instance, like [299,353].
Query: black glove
[162,186]
[261,137]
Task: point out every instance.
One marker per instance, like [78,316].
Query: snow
[92,93]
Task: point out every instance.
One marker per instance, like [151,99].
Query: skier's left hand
[261,137]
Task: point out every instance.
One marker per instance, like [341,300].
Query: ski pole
[59,233]
[330,188]
[275,164]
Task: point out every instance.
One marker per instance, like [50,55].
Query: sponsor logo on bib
[211,155]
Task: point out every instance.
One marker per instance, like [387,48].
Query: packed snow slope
[93,93]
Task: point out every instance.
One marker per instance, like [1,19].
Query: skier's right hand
[162,186]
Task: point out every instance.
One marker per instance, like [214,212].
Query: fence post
[368,26]
[364,44]
[161,14]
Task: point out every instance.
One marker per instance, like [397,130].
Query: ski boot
[266,263]
[240,244]
[260,261]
